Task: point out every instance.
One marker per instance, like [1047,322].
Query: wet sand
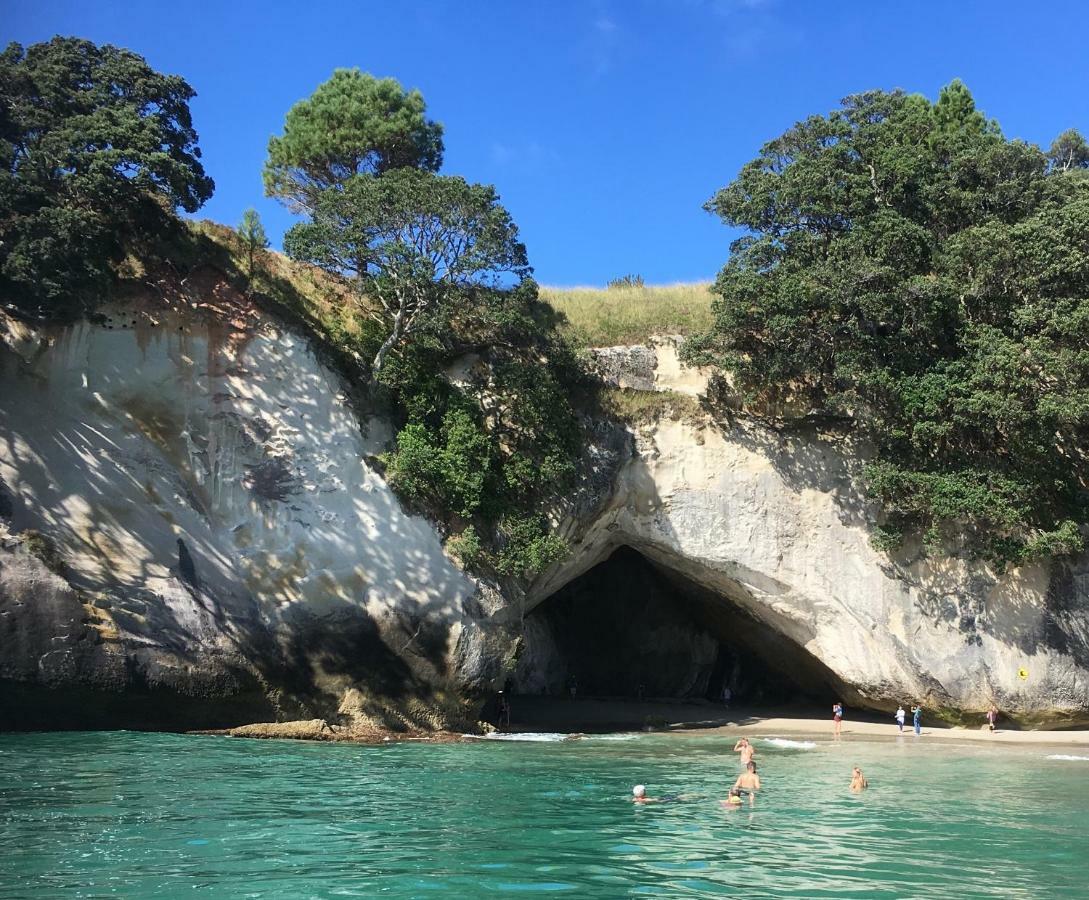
[590,715]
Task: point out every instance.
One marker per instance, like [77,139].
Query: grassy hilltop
[606,317]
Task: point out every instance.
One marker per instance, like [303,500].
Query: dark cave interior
[629,628]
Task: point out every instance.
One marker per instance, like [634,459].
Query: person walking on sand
[837,718]
[746,750]
[858,780]
[748,782]
[900,714]
[992,717]
[917,718]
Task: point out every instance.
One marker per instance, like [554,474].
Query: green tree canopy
[95,148]
[1069,151]
[912,270]
[410,240]
[352,124]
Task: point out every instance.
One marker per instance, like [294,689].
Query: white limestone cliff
[227,550]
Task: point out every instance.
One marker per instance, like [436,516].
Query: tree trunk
[387,345]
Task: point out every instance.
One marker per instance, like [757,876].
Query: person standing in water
[746,750]
[917,718]
[900,714]
[992,717]
[858,780]
[748,782]
[837,718]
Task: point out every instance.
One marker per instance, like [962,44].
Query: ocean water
[150,815]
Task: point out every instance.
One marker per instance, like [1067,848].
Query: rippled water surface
[144,815]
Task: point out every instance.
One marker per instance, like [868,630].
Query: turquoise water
[146,815]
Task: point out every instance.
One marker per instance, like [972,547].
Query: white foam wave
[533,737]
[792,745]
[1067,757]
[629,736]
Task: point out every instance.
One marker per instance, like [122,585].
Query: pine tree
[252,234]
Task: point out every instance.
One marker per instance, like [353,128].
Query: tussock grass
[605,317]
[644,407]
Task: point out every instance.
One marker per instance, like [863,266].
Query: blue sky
[605,124]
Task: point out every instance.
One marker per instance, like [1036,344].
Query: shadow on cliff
[1037,608]
[149,497]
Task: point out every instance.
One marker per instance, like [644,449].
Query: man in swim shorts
[748,782]
[746,750]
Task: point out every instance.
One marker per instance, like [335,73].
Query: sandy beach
[875,731]
[603,714]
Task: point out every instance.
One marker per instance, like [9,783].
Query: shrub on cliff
[96,150]
[488,435]
[910,268]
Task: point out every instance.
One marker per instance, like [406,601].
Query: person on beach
[837,718]
[900,715]
[917,718]
[748,782]
[746,750]
[992,717]
[504,711]
[858,780]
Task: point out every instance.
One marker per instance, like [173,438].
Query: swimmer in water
[733,799]
[746,750]
[858,780]
[639,795]
[748,782]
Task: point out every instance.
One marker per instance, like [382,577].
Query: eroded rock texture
[770,525]
[224,549]
[191,535]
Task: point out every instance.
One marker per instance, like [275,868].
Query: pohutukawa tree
[353,124]
[913,271]
[95,149]
[410,240]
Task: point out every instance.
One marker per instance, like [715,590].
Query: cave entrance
[630,629]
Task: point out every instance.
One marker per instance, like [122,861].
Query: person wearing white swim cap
[639,794]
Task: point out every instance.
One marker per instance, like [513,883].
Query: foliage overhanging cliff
[912,270]
[908,269]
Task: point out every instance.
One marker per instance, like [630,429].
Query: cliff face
[223,550]
[192,535]
[767,530]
